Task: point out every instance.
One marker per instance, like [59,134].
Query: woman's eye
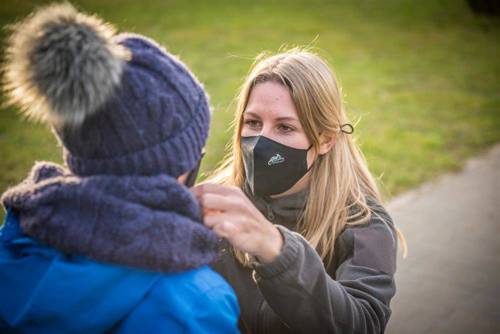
[252,123]
[285,128]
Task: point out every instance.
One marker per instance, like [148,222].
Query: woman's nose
[265,131]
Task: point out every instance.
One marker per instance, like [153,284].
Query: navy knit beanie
[119,104]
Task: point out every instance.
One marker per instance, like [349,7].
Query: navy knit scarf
[147,222]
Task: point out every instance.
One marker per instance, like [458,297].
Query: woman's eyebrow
[251,113]
[278,119]
[286,119]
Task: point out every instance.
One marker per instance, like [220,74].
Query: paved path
[450,281]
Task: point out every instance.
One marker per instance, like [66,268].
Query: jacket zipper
[259,323]
[270,213]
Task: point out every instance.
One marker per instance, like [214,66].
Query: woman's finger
[225,229]
[196,190]
[212,220]
[214,188]
[210,212]
[211,201]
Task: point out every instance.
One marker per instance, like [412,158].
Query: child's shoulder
[200,299]
[195,283]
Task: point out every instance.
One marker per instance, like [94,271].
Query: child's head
[119,104]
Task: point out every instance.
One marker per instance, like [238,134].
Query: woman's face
[271,113]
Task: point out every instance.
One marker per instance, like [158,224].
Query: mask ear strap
[347,128]
[308,169]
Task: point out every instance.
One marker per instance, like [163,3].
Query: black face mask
[272,168]
[193,174]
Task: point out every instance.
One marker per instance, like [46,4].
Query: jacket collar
[285,210]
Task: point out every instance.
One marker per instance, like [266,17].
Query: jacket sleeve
[301,292]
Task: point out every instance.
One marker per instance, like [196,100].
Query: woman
[309,247]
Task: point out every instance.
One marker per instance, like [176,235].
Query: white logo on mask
[276,159]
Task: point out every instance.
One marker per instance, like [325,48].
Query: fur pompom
[61,65]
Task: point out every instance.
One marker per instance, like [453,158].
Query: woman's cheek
[246,132]
[295,140]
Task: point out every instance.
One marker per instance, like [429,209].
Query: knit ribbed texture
[155,122]
[147,222]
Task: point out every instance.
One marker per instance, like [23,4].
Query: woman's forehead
[271,100]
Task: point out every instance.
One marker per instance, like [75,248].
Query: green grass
[421,77]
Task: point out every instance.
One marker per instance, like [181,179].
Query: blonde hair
[342,171]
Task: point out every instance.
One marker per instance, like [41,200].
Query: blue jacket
[45,291]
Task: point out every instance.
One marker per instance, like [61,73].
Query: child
[132,121]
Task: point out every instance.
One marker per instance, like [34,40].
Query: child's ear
[327,141]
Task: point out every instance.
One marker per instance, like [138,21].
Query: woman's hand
[231,215]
